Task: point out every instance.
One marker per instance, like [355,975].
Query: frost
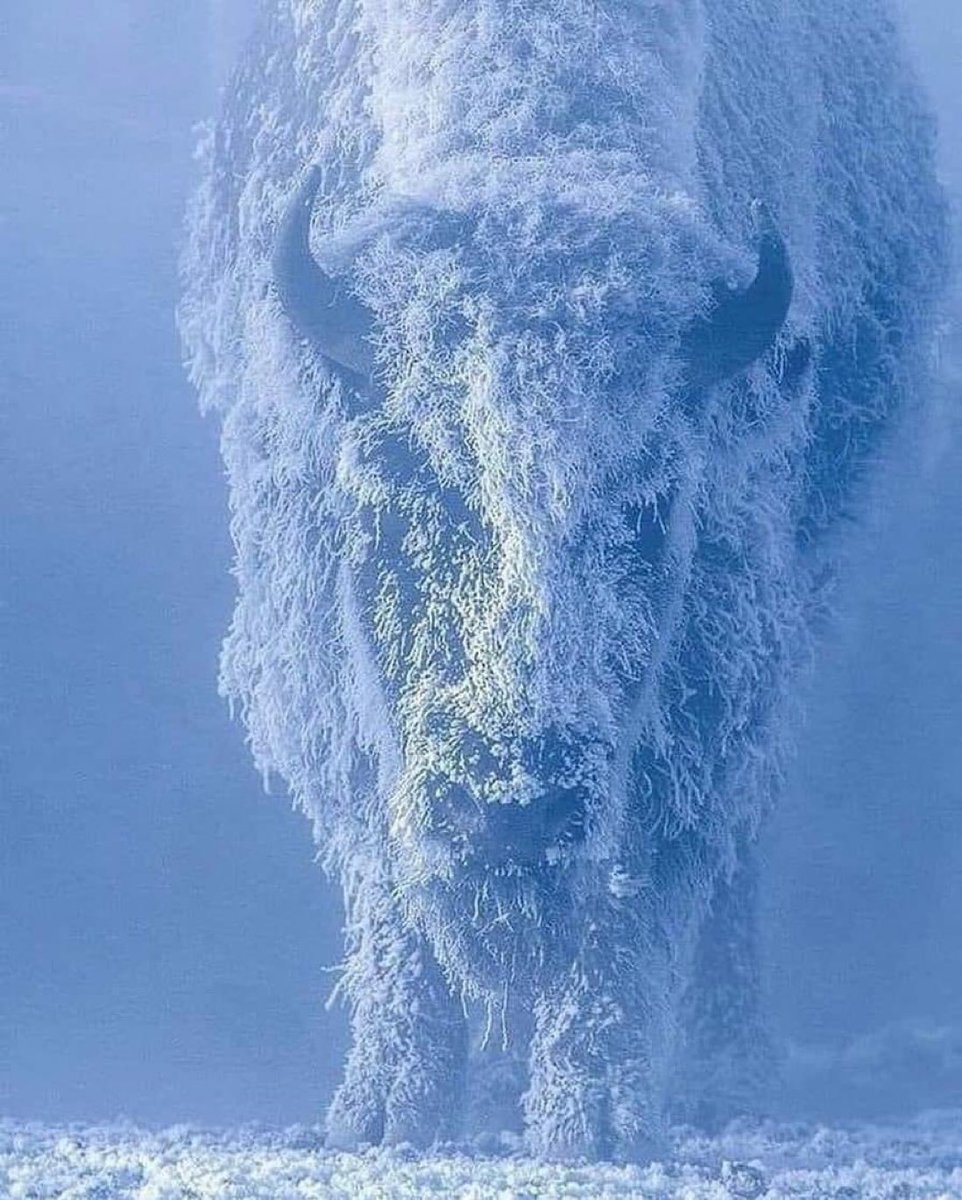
[520,612]
[919,1161]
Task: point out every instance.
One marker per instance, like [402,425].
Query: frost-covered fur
[518,623]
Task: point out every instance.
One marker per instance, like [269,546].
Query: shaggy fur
[517,622]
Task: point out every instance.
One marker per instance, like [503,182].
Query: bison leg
[425,1102]
[355,1117]
[565,1108]
[726,1061]
[404,1079]
[597,1057]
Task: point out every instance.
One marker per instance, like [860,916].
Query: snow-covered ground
[918,1160]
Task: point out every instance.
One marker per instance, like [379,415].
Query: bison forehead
[533,376]
[560,247]
[468,557]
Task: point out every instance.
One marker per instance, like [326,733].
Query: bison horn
[320,309]
[742,325]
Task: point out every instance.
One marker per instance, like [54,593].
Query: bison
[552,343]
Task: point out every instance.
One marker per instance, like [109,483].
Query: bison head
[525,590]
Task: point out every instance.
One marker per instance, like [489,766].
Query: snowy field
[921,1159]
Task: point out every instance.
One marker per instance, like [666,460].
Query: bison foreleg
[597,1058]
[404,1079]
[726,1060]
[425,1102]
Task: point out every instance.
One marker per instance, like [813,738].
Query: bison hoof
[640,1150]
[568,1153]
[351,1126]
[553,1145]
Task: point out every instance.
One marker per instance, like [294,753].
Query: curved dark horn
[320,309]
[742,326]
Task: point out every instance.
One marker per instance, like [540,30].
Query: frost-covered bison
[551,341]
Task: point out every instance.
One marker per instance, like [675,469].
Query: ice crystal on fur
[520,606]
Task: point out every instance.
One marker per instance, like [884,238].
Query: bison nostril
[537,804]
[548,824]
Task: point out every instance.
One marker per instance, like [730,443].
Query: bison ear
[741,326]
[322,311]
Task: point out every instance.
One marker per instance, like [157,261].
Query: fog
[864,882]
[165,932]
[164,927]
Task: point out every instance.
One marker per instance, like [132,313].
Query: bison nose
[550,822]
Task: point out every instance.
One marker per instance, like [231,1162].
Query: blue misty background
[163,925]
[864,883]
[163,929]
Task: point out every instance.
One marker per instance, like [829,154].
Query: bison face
[520,460]
[508,627]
